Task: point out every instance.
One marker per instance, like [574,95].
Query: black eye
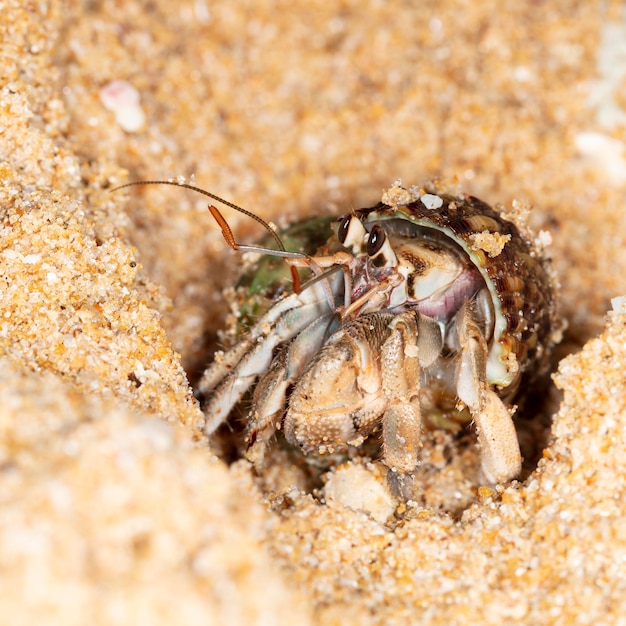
[342,233]
[376,240]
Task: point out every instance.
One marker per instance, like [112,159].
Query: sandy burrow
[113,508]
[552,550]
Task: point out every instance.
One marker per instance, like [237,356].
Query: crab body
[430,309]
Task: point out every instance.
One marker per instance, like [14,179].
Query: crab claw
[500,454]
[501,459]
[368,373]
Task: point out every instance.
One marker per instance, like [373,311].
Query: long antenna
[226,231]
[204,192]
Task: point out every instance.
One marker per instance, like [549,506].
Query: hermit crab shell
[516,275]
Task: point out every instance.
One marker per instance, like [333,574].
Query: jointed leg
[231,375]
[500,454]
[268,404]
[414,343]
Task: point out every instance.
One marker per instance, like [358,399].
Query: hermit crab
[423,309]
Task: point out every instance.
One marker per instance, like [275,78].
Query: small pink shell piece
[122,99]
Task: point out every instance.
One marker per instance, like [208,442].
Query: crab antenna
[204,192]
[227,233]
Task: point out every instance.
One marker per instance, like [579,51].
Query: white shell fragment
[122,99]
[619,304]
[356,488]
[431,201]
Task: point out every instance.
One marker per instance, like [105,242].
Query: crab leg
[414,343]
[270,394]
[402,420]
[232,373]
[501,459]
[268,404]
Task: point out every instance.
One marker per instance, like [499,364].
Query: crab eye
[342,233]
[351,233]
[376,240]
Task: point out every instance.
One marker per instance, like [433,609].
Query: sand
[115,509]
